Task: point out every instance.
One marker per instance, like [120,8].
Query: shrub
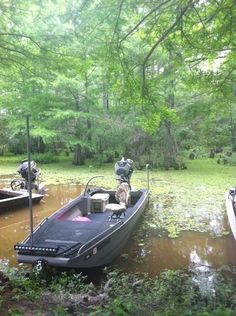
[45,158]
[232,160]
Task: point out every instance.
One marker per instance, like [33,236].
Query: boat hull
[102,249]
[10,198]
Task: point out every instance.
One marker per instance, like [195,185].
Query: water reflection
[190,251]
[203,274]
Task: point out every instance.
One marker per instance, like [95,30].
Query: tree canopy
[109,78]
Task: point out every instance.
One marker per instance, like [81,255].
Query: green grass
[198,172]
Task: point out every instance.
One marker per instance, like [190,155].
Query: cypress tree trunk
[78,156]
[170,150]
[40,145]
[78,152]
[105,97]
[233,137]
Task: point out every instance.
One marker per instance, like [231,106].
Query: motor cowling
[23,170]
[124,169]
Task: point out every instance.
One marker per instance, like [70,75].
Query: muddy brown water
[193,251]
[15,222]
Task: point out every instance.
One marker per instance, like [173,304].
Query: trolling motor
[124,170]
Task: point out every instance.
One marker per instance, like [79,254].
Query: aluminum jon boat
[85,233]
[230,202]
[10,198]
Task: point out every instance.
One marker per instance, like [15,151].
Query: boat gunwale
[231,213]
[19,193]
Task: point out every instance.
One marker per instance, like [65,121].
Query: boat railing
[91,242]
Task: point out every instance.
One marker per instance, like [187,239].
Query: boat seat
[116,209]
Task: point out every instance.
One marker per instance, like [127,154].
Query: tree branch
[22,36]
[13,50]
[143,19]
[10,61]
[161,39]
[226,77]
[118,18]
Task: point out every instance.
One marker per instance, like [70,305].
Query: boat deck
[77,229]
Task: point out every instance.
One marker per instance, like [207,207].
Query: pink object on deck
[81,219]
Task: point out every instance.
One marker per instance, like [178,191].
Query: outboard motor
[23,183]
[23,170]
[123,170]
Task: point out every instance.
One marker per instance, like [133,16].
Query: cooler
[99,202]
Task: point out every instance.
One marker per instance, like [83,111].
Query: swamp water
[150,250]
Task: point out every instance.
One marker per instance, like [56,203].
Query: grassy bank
[171,293]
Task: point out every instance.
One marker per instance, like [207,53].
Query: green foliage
[232,160]
[17,145]
[173,288]
[15,312]
[143,160]
[45,158]
[60,311]
[68,283]
[146,64]
[30,285]
[120,307]
[150,123]
[155,159]
[43,132]
[171,293]
[24,285]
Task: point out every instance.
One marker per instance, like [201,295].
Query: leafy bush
[68,283]
[232,160]
[176,164]
[45,158]
[142,161]
[170,293]
[157,160]
[107,156]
